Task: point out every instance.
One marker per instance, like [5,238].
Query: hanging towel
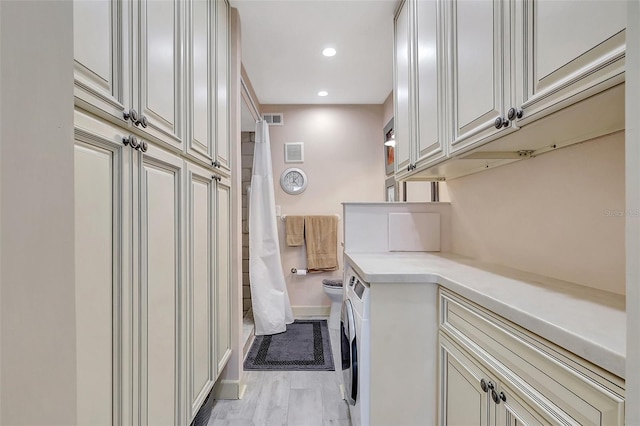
[321,235]
[295,231]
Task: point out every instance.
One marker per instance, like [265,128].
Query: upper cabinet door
[566,51]
[430,81]
[158,68]
[200,58]
[402,92]
[223,139]
[480,70]
[100,71]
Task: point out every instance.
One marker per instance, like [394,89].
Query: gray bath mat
[304,346]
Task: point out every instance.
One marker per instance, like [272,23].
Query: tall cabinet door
[100,63]
[201,14]
[223,140]
[158,70]
[481,72]
[567,50]
[430,81]
[201,193]
[160,271]
[402,92]
[102,271]
[223,272]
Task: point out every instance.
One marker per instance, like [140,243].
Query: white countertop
[588,322]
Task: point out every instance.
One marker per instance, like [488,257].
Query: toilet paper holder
[296,271]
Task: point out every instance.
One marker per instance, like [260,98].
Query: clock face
[293,181]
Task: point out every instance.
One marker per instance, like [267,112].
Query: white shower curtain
[269,297]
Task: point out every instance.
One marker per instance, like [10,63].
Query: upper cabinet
[566,51]
[160,69]
[100,67]
[472,78]
[420,85]
[223,62]
[479,65]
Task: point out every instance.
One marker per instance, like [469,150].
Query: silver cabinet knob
[514,113]
[142,121]
[216,164]
[131,140]
[132,115]
[144,146]
[216,178]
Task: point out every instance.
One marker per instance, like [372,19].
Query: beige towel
[321,235]
[295,230]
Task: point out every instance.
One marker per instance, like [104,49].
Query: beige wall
[344,161]
[560,214]
[38,370]
[387,110]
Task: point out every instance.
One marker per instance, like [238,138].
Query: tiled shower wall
[248,141]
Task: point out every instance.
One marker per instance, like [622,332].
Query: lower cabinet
[494,372]
[152,279]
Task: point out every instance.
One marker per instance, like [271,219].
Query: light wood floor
[293,398]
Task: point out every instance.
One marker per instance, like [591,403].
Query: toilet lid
[332,283]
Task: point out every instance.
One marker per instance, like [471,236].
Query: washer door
[349,352]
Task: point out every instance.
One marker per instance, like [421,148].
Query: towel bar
[284,216]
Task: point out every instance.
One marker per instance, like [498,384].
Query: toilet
[333,289]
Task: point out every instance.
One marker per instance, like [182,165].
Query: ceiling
[282,43]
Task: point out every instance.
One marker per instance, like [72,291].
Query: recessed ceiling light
[323,93]
[329,51]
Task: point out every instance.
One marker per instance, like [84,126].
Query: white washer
[355,347]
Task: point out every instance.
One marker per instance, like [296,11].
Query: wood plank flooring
[292,398]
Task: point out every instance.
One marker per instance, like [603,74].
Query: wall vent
[274,119]
[294,152]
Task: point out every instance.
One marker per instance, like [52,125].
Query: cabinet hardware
[216,178]
[503,397]
[484,386]
[216,164]
[514,113]
[144,146]
[498,122]
[132,115]
[495,396]
[142,121]
[132,141]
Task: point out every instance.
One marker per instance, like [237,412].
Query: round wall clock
[293,181]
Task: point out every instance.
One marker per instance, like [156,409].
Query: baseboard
[229,389]
[310,311]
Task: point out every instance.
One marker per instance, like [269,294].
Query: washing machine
[355,347]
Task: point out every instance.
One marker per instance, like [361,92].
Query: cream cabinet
[153,280]
[480,69]
[566,51]
[223,271]
[200,87]
[153,209]
[201,297]
[419,128]
[507,64]
[101,54]
[495,371]
[222,159]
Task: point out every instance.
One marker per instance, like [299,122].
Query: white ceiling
[282,43]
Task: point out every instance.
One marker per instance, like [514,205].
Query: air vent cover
[274,119]
[294,152]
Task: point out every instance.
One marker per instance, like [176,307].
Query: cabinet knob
[495,396]
[144,146]
[500,122]
[484,386]
[216,164]
[409,168]
[131,140]
[514,113]
[216,178]
[132,115]
[143,121]
[503,397]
